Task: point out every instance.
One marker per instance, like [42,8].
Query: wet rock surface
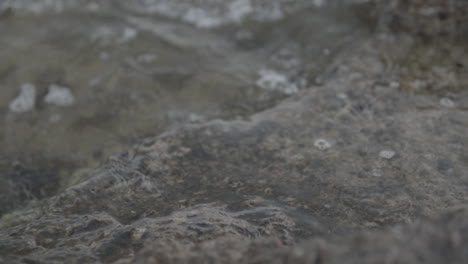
[363,166]
[429,18]
[267,174]
[437,240]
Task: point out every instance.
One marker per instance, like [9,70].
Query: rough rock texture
[440,240]
[99,238]
[340,163]
[356,153]
[19,184]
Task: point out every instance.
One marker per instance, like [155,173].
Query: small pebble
[387,154]
[322,144]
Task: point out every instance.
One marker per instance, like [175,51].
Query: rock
[426,17]
[441,239]
[264,190]
[100,238]
[264,178]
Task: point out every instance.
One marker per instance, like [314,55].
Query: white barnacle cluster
[26,100]
[387,154]
[322,144]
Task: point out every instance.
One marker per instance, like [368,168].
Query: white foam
[239,9]
[215,13]
[201,18]
[26,99]
[60,96]
[275,81]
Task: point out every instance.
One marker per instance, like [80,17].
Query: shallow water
[101,76]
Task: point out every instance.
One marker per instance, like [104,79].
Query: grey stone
[431,18]
[260,190]
[440,239]
[264,178]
